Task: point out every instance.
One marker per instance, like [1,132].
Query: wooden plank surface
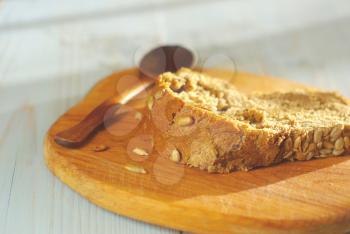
[280,199]
[49,63]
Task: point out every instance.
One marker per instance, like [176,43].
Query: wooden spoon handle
[76,135]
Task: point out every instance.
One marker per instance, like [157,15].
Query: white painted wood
[106,45]
[52,53]
[35,201]
[20,14]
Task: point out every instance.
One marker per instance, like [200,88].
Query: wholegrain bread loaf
[207,123]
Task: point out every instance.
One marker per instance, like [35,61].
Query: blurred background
[52,52]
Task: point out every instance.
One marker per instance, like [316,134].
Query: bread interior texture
[271,111]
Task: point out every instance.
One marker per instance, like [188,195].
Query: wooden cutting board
[299,197]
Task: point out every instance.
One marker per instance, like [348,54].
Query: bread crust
[211,142]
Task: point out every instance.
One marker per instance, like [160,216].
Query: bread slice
[207,123]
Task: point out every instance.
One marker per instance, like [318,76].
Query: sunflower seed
[280,141]
[288,144]
[140,152]
[135,169]
[175,156]
[305,146]
[184,121]
[288,155]
[339,144]
[309,138]
[297,143]
[100,148]
[311,148]
[318,136]
[336,132]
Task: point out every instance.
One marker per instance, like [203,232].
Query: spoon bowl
[168,58]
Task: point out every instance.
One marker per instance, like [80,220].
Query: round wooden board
[299,197]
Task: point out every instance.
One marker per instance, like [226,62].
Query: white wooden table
[52,52]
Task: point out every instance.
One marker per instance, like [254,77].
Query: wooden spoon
[155,62]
